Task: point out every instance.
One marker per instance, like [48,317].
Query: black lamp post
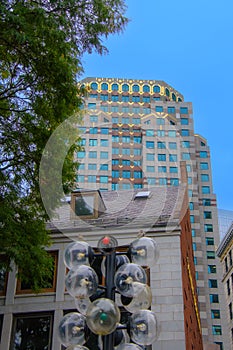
[102,316]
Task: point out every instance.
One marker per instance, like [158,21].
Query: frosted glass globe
[128,346]
[143,327]
[126,275]
[81,282]
[144,251]
[120,260]
[82,304]
[142,298]
[103,316]
[71,329]
[77,253]
[107,244]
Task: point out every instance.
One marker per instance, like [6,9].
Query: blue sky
[189,45]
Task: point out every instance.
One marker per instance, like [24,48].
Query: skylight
[143,194]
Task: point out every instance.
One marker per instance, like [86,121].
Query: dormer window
[86,204]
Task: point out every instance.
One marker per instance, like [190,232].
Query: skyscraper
[135,133]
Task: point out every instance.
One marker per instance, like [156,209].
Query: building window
[162,169]
[171,110]
[214,298]
[136,120]
[206,202]
[183,110]
[230,311]
[49,282]
[151,180]
[208,227]
[104,143]
[137,151]
[125,87]
[160,133]
[115,87]
[115,150]
[81,154]
[137,139]
[104,86]
[171,133]
[209,241]
[172,157]
[150,144]
[162,157]
[205,189]
[91,178]
[135,99]
[213,283]
[93,118]
[146,88]
[185,132]
[93,130]
[204,166]
[216,330]
[207,215]
[32,331]
[125,98]
[135,88]
[115,173]
[185,144]
[3,276]
[81,178]
[150,156]
[156,88]
[104,97]
[215,313]
[150,132]
[203,154]
[173,169]
[212,269]
[115,138]
[186,156]
[193,232]
[115,161]
[92,154]
[172,145]
[94,86]
[184,121]
[103,155]
[146,99]
[159,109]
[125,120]
[104,131]
[205,177]
[104,167]
[162,181]
[137,174]
[228,287]
[174,181]
[126,139]
[161,145]
[192,219]
[126,151]
[104,179]
[126,162]
[93,142]
[91,105]
[114,109]
[126,174]
[210,254]
[150,168]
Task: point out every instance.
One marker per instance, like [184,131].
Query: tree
[41,48]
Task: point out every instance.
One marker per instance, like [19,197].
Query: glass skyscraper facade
[134,134]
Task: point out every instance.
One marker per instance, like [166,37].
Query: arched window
[156,88]
[125,87]
[104,86]
[115,87]
[94,86]
[146,88]
[135,88]
[167,92]
[173,97]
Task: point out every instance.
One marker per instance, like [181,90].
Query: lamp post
[123,276]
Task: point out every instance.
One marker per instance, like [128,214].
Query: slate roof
[163,207]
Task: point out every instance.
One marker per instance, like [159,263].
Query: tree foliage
[41,48]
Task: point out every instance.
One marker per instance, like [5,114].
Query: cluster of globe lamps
[125,280]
